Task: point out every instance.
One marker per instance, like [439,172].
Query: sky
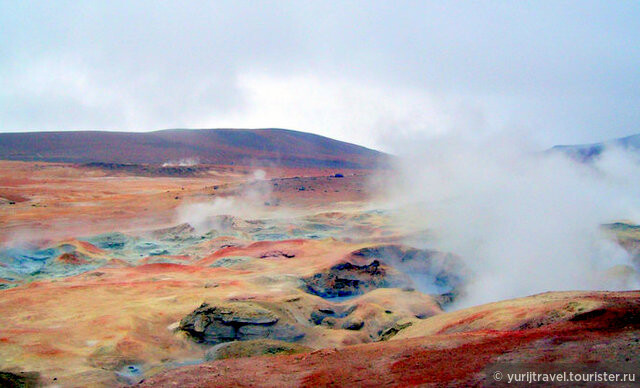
[368,72]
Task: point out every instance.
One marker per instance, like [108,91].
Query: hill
[587,152]
[275,147]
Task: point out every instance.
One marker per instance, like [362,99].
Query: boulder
[236,321]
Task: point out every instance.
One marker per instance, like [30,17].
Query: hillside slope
[276,147]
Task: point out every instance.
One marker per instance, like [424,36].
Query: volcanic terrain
[133,269]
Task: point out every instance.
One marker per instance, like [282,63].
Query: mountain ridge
[266,146]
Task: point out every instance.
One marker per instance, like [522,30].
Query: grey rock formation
[236,321]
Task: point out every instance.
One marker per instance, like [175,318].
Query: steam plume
[524,221]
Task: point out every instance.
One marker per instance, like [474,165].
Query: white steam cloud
[523,221]
[186,162]
[250,202]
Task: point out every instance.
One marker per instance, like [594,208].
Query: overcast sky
[556,71]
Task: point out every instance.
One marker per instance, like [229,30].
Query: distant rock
[174,233]
[149,170]
[231,261]
[111,241]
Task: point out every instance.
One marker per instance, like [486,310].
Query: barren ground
[233,277]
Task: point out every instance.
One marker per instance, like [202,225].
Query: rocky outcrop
[236,321]
[19,379]
[386,266]
[347,279]
[175,233]
[376,315]
[393,330]
[431,271]
[319,316]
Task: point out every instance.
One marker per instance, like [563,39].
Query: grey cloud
[567,71]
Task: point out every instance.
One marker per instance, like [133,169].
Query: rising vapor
[524,221]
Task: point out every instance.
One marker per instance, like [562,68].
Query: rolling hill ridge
[275,147]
